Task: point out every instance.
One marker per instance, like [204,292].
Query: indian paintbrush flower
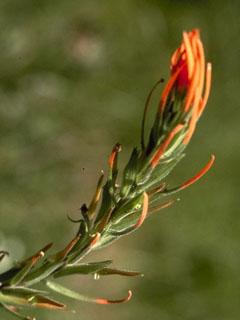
[125,204]
[182,102]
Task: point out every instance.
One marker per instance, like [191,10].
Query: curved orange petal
[190,58]
[192,87]
[193,120]
[202,65]
[105,301]
[207,89]
[199,175]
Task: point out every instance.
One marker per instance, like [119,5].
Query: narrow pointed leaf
[126,209]
[112,271]
[87,268]
[22,268]
[141,217]
[146,109]
[113,172]
[93,205]
[114,163]
[42,273]
[103,223]
[129,223]
[82,251]
[13,300]
[159,173]
[129,173]
[22,292]
[63,253]
[72,294]
[19,277]
[106,203]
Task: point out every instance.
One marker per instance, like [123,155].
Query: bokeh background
[74,76]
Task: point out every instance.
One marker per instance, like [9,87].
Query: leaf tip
[105,301]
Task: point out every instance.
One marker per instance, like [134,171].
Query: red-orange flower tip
[105,301]
[189,75]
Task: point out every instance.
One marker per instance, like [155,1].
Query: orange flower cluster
[188,74]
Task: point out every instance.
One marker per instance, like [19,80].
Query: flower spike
[125,202]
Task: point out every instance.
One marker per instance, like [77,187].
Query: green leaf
[21,274]
[75,295]
[146,109]
[16,274]
[42,273]
[67,292]
[159,173]
[106,203]
[154,135]
[105,240]
[112,271]
[129,173]
[127,208]
[13,300]
[113,172]
[22,292]
[176,146]
[93,205]
[87,268]
[125,225]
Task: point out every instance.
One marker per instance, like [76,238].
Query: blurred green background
[74,76]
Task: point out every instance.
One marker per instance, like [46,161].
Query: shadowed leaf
[112,271]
